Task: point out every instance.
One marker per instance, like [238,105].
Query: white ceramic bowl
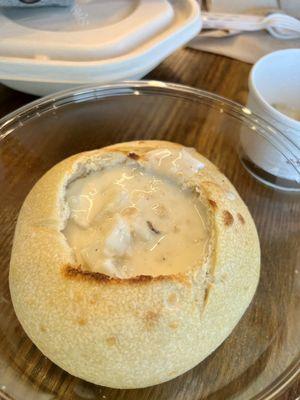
[275,81]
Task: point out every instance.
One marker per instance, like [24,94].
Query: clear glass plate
[261,357]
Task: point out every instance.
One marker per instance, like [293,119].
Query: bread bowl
[126,327]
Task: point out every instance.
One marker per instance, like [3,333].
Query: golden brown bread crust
[139,331]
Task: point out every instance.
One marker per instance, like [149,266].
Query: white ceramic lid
[132,56]
[89,30]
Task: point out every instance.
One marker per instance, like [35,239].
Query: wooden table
[210,72]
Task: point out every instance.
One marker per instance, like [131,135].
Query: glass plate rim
[264,128]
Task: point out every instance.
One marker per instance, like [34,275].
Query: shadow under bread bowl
[123,327]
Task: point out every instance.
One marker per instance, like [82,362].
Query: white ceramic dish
[274,83]
[175,24]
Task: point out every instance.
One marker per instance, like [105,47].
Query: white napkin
[250,46]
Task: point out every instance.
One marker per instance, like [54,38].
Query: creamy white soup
[126,222]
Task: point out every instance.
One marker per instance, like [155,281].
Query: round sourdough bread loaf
[141,330]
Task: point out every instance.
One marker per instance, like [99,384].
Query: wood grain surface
[253,354]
